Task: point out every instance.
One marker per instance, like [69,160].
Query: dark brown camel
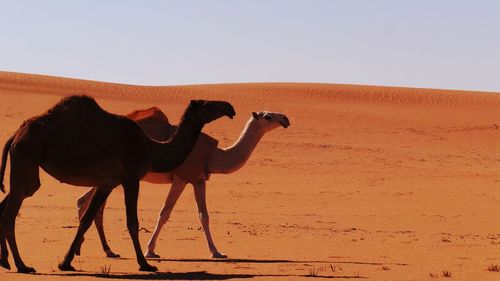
[79,143]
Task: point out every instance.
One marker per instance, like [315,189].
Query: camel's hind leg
[175,192]
[4,252]
[131,190]
[98,198]
[24,182]
[201,202]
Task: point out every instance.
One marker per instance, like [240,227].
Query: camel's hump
[144,115]
[76,104]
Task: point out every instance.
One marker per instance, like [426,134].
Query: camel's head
[208,111]
[271,120]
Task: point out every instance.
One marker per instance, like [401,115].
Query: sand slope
[380,182]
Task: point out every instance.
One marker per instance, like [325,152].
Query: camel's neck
[166,156]
[230,159]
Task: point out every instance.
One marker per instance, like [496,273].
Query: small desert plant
[494,267]
[385,267]
[105,269]
[313,272]
[433,275]
[333,268]
[446,273]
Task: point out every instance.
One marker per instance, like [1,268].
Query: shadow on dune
[196,275]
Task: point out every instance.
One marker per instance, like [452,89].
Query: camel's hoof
[5,263]
[151,256]
[112,255]
[219,256]
[66,267]
[148,267]
[26,269]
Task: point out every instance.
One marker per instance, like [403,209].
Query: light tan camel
[203,160]
[79,143]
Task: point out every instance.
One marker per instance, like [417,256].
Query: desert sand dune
[251,91]
[387,183]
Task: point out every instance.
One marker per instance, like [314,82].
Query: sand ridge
[311,91]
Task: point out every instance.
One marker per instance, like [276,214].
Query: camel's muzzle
[285,123]
[230,112]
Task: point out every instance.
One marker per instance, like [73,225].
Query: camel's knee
[85,223]
[164,215]
[204,217]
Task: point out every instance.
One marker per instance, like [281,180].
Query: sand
[384,183]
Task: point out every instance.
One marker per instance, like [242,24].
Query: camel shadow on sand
[204,275]
[195,275]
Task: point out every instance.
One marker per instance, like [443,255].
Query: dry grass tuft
[334,268]
[446,273]
[315,271]
[105,270]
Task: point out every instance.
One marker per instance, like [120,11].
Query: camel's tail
[5,153]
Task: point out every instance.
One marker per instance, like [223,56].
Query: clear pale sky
[451,44]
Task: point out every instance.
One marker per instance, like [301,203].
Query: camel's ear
[195,103]
[255,115]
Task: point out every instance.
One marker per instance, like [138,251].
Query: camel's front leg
[200,196]
[99,196]
[83,203]
[176,190]
[131,190]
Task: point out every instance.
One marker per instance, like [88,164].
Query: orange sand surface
[383,183]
